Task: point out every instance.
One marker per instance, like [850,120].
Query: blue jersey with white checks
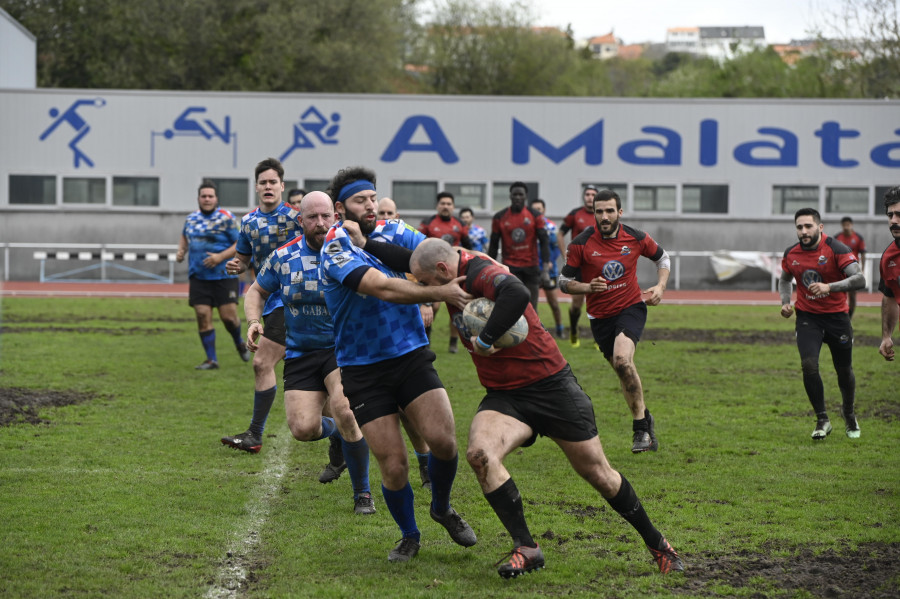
[554,247]
[478,237]
[292,271]
[367,329]
[262,233]
[209,233]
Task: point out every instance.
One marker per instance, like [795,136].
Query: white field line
[231,577]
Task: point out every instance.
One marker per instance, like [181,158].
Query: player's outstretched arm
[403,291]
[890,313]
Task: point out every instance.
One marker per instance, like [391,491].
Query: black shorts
[308,372]
[555,407]
[813,329]
[216,292]
[529,275]
[376,390]
[273,326]
[630,321]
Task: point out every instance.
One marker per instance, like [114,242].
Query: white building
[720,43]
[18,54]
[119,166]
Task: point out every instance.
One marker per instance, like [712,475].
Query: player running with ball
[531,391]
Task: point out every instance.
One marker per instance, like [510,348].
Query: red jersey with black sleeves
[513,367]
[452,231]
[854,241]
[577,221]
[890,271]
[614,259]
[822,264]
[518,235]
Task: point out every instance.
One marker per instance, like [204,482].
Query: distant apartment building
[720,43]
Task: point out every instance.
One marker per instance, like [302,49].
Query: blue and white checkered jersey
[369,330]
[552,233]
[478,237]
[292,271]
[209,233]
[262,233]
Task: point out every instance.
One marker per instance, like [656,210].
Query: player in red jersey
[890,276]
[601,263]
[577,221]
[530,391]
[444,225]
[521,232]
[825,269]
[857,245]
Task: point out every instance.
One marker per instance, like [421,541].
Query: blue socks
[356,455]
[262,403]
[328,427]
[208,339]
[400,504]
[235,330]
[442,473]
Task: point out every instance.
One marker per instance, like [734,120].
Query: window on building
[880,190]
[234,193]
[500,193]
[654,199]
[788,199]
[468,194]
[136,191]
[704,199]
[317,184]
[32,189]
[414,195]
[84,190]
[290,184]
[852,200]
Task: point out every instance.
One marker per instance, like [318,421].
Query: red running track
[180,290]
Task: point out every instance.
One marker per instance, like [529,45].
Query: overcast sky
[647,20]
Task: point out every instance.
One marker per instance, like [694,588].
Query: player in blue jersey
[550,278]
[209,237]
[385,361]
[272,224]
[477,235]
[311,375]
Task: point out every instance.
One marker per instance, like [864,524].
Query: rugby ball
[472,319]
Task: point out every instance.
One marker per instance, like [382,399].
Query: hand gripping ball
[475,315]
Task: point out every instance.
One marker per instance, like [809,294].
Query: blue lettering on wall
[671,151]
[314,122]
[186,125]
[787,153]
[402,141]
[523,139]
[72,118]
[831,134]
[881,155]
[709,142]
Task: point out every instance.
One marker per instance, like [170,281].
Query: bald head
[316,217]
[387,209]
[434,262]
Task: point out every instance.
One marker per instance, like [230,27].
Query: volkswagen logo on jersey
[626,250]
[518,235]
[613,270]
[810,277]
[822,259]
[448,238]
